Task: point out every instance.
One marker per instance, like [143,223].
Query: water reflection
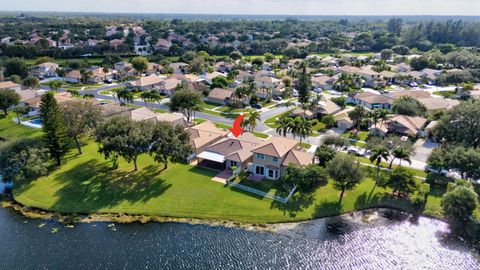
[369,240]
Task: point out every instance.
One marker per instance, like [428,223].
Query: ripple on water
[367,240]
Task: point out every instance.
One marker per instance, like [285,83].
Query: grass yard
[271,121]
[446,94]
[10,131]
[224,126]
[86,184]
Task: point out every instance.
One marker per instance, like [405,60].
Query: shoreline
[121,218]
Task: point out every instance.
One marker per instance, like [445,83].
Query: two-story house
[270,158]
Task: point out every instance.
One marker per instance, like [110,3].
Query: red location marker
[237,129]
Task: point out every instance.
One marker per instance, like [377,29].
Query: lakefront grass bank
[87,184]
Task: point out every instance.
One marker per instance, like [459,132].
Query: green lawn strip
[267,186]
[11,131]
[305,146]
[86,184]
[160,111]
[271,121]
[446,94]
[416,172]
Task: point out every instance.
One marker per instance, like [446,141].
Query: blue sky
[290,7]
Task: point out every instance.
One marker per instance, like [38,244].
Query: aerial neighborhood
[321,114]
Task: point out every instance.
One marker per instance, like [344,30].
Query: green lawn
[86,184]
[10,131]
[271,121]
[446,94]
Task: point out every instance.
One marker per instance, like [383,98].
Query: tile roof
[276,146]
[298,158]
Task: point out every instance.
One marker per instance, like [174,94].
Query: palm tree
[358,114]
[74,92]
[378,153]
[284,125]
[125,95]
[401,153]
[252,119]
[383,115]
[86,74]
[55,85]
[146,96]
[301,127]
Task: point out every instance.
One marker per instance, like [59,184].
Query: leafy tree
[303,84]
[328,120]
[409,106]
[140,64]
[16,66]
[23,158]
[121,136]
[187,102]
[419,63]
[219,82]
[236,55]
[401,181]
[344,173]
[80,116]
[257,61]
[324,154]
[54,85]
[31,82]
[169,142]
[337,141]
[460,125]
[306,179]
[386,54]
[110,60]
[394,26]
[268,57]
[458,206]
[43,59]
[54,129]
[8,99]
[16,79]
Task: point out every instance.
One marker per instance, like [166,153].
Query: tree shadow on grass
[297,203]
[91,186]
[382,199]
[327,208]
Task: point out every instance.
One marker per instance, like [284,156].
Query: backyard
[85,183]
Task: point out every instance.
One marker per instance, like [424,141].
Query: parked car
[356,151]
[432,169]
[257,106]
[108,81]
[277,98]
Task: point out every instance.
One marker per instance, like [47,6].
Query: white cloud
[290,7]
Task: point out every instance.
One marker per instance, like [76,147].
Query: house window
[260,156]
[233,163]
[271,173]
[275,159]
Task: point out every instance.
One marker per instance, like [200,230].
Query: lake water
[384,240]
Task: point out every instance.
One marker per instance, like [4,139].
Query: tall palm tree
[284,125]
[146,96]
[252,119]
[383,115]
[358,114]
[86,75]
[401,153]
[379,153]
[302,127]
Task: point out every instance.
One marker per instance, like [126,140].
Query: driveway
[423,149]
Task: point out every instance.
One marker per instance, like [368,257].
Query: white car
[431,169]
[357,151]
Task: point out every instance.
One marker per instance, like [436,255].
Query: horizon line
[240,14]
